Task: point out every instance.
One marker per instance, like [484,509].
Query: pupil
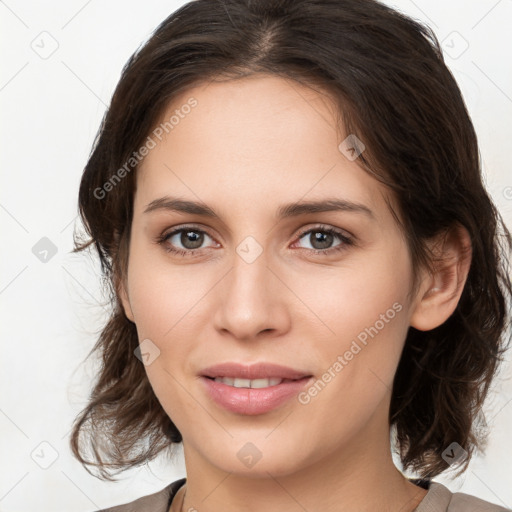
[191,239]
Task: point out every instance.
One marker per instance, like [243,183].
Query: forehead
[260,138]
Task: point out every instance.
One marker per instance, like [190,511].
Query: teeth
[265,383]
[247,383]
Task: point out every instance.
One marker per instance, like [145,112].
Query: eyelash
[345,240]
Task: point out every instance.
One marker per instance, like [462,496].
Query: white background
[50,312]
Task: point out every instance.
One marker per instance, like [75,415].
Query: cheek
[370,290]
[163,307]
[366,311]
[167,303]
[162,295]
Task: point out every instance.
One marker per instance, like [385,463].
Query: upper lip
[253,371]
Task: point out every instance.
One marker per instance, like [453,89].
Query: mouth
[253,389]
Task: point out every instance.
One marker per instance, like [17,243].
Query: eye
[322,238]
[184,241]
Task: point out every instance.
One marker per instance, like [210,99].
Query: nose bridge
[249,281]
[250,272]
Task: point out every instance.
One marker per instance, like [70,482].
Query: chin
[257,459]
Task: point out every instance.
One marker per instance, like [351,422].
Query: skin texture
[248,147]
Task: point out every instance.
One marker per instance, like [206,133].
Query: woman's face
[258,276]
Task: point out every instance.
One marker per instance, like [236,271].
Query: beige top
[438,499]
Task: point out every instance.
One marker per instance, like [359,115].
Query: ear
[120,276]
[125,300]
[440,291]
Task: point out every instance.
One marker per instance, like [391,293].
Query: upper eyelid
[186,227]
[324,227]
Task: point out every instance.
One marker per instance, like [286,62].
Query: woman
[287,201]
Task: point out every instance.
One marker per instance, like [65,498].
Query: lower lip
[251,401]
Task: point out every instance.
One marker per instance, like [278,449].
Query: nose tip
[250,302]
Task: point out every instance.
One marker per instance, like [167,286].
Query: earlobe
[440,292]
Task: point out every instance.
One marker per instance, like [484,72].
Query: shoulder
[157,502]
[440,499]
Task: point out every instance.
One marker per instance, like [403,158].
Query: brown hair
[388,76]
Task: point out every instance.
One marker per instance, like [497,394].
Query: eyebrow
[285,211]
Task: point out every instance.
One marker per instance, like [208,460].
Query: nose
[251,301]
